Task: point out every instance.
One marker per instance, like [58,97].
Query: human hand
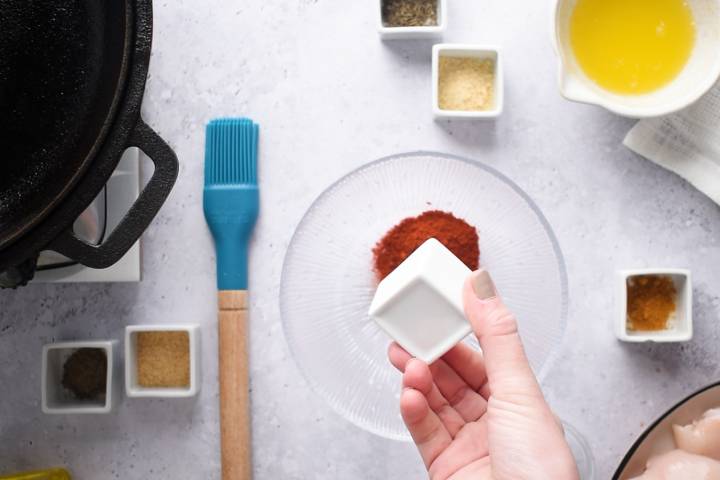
[482,416]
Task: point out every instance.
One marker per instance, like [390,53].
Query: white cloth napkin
[687,143]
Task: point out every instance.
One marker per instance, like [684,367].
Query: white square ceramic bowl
[467,51]
[420,303]
[405,33]
[681,324]
[133,388]
[58,400]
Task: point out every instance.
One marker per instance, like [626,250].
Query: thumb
[510,377]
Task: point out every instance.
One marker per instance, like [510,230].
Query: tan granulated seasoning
[163,359]
[466,84]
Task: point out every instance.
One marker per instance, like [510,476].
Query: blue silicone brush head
[230,197]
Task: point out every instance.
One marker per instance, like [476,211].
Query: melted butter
[632,46]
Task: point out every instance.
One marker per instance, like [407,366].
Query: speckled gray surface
[330,96]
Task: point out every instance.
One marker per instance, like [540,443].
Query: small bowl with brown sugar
[654,305]
[162,360]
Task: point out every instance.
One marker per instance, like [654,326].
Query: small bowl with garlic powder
[467,81]
[162,360]
[654,305]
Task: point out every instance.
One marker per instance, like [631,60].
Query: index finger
[426,428]
[468,363]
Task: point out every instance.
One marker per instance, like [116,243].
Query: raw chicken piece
[701,437]
[679,465]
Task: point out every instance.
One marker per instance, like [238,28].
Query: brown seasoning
[409,13]
[85,373]
[163,359]
[650,302]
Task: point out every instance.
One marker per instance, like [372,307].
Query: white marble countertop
[330,96]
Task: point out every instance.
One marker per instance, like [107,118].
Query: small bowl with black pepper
[77,377]
[408,19]
[467,81]
[654,305]
[162,360]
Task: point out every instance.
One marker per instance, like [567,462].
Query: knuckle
[459,395]
[501,322]
[428,434]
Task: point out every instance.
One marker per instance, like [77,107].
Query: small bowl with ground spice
[654,305]
[467,81]
[77,377]
[162,360]
[407,19]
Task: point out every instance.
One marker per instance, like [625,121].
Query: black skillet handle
[140,214]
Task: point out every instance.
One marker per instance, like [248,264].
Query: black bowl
[658,437]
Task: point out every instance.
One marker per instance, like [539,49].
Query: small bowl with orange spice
[162,360]
[654,305]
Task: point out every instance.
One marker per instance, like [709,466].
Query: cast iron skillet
[657,438]
[72,76]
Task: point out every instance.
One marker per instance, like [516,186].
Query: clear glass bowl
[581,451]
[327,279]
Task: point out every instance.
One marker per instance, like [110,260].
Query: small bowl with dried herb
[407,19]
[162,360]
[467,81]
[654,305]
[78,377]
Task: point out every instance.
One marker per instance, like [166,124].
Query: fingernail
[483,285]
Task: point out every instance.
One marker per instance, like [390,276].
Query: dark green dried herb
[410,13]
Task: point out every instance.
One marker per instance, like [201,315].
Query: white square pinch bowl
[408,33]
[419,304]
[58,400]
[481,52]
[133,387]
[680,325]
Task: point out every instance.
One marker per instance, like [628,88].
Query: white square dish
[132,386]
[681,328]
[405,33]
[58,400]
[468,51]
[419,304]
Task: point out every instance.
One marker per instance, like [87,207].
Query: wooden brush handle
[234,394]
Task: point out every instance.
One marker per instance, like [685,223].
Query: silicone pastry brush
[230,202]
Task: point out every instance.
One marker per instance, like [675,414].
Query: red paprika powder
[404,238]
